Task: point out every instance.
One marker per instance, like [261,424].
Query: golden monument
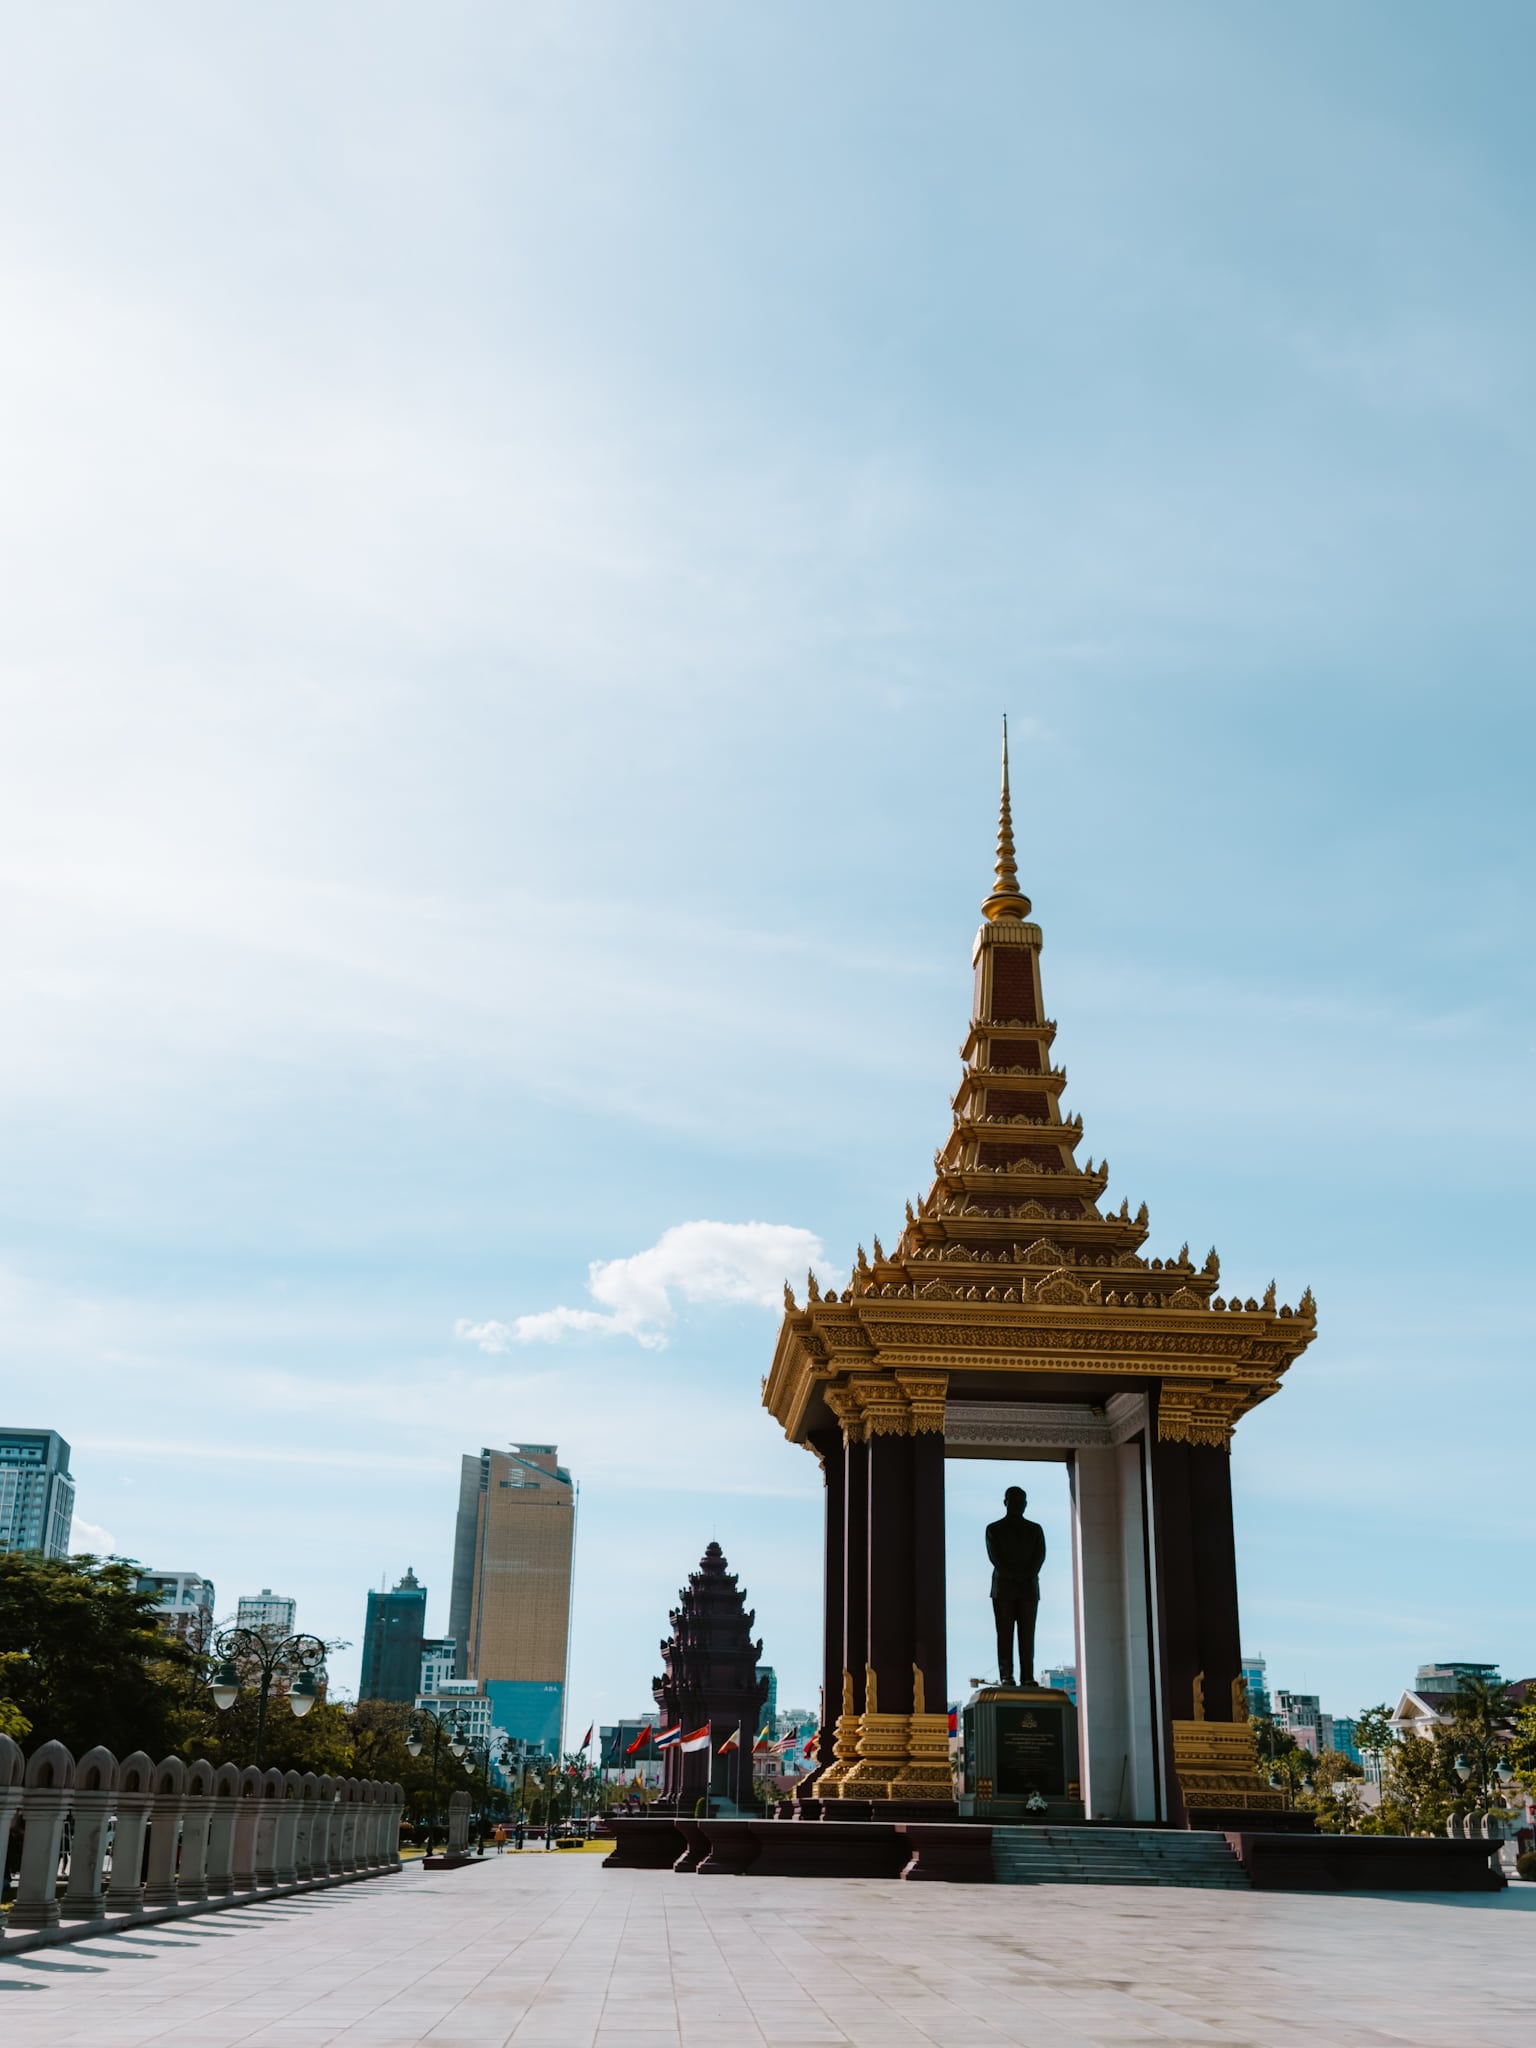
[1013,1319]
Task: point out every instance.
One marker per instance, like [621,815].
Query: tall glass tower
[37,1495]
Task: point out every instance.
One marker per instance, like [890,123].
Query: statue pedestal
[1020,1751]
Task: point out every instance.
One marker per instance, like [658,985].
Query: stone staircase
[1053,1855]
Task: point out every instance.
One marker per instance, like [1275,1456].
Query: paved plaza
[553,1949]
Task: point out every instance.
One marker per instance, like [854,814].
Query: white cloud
[90,1536]
[706,1262]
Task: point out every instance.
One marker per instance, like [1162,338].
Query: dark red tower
[709,1675]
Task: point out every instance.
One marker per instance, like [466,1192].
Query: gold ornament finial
[1007,899]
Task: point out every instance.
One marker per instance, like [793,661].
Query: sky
[517,528]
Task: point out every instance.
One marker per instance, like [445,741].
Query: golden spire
[1007,899]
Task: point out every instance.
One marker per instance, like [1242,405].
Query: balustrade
[105,1843]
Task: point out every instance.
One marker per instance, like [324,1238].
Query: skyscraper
[392,1638]
[510,1607]
[37,1495]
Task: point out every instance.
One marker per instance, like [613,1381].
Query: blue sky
[518,527]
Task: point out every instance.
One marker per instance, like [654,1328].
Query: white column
[273,1790]
[170,1789]
[135,1797]
[95,1799]
[247,1820]
[1114,1650]
[196,1827]
[221,1831]
[285,1855]
[45,1803]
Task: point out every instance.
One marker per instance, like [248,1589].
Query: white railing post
[324,1835]
[13,1770]
[350,1794]
[375,1812]
[272,1792]
[221,1831]
[45,1803]
[285,1856]
[94,1802]
[304,1832]
[170,1789]
[247,1816]
[196,1827]
[125,1889]
[393,1820]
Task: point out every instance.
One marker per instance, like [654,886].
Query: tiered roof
[1012,1223]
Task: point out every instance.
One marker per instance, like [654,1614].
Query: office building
[1062,1678]
[185,1604]
[439,1662]
[37,1495]
[1257,1682]
[1344,1740]
[393,1634]
[1446,1678]
[270,1612]
[510,1609]
[1301,1717]
[770,1718]
[462,1702]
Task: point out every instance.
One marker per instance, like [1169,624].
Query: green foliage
[1525,1866]
[1374,1733]
[13,1722]
[87,1660]
[1421,1786]
[1479,1733]
[1521,1749]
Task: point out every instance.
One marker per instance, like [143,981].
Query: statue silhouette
[1016,1547]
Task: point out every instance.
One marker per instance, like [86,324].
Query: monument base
[1021,1756]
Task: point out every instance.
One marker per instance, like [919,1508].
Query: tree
[1480,1729]
[1374,1733]
[13,1722]
[88,1661]
[1522,1744]
[1420,1788]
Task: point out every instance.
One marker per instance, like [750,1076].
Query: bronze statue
[1016,1547]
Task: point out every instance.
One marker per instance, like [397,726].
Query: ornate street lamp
[241,1654]
[450,1729]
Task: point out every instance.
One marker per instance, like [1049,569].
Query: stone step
[1151,1856]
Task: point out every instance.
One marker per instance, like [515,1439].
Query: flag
[954,1721]
[670,1737]
[765,1733]
[765,1749]
[586,1740]
[699,1739]
[641,1739]
[809,1745]
[732,1741]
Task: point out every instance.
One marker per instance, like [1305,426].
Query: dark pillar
[828,1446]
[1196,1586]
[892,1582]
[1215,1550]
[855,1645]
[1177,1601]
[930,1621]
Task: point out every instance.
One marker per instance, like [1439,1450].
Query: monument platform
[976,1852]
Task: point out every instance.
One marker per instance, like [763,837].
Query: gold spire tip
[1007,899]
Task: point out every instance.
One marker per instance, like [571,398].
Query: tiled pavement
[555,1950]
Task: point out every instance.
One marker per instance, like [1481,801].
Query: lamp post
[451,1726]
[240,1654]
